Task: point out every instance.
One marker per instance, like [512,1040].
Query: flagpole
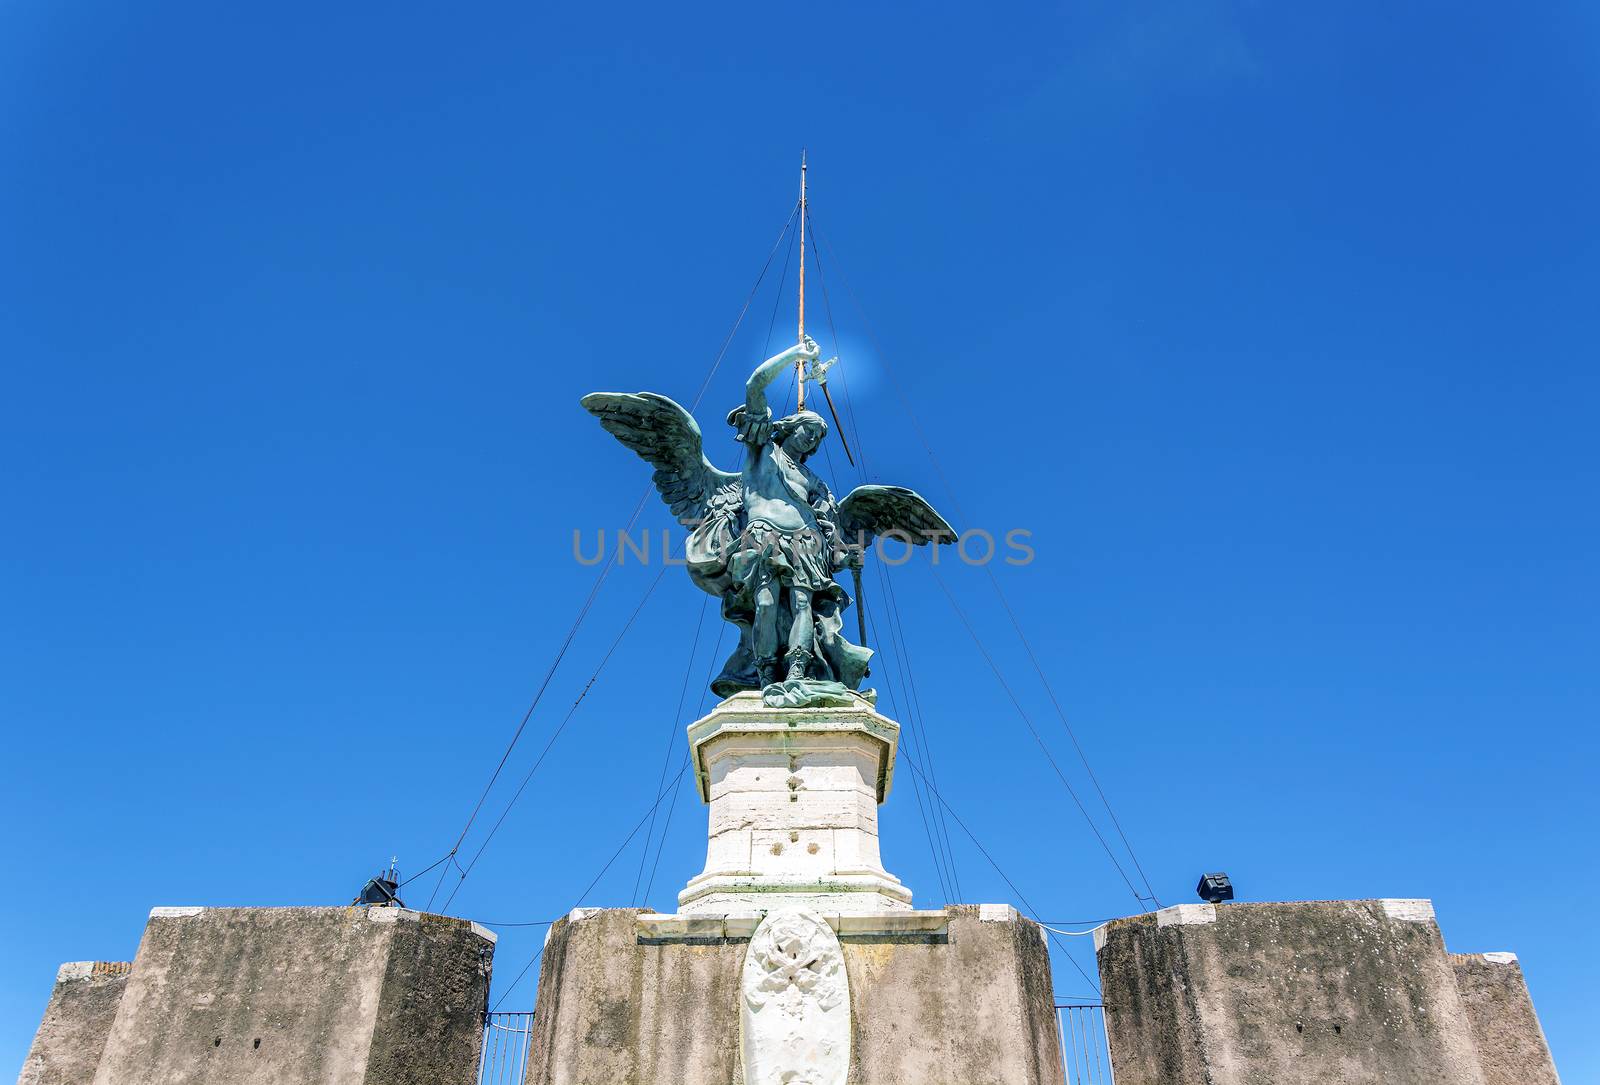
[800,387]
[800,365]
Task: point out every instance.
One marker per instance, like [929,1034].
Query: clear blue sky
[1276,326]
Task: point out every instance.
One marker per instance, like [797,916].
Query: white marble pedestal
[794,796]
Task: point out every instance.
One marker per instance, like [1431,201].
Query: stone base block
[283,996]
[794,795]
[66,1049]
[1310,993]
[1511,1044]
[953,997]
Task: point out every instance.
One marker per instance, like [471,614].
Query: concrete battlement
[71,1037]
[957,996]
[1315,992]
[1511,1044]
[335,996]
[374,914]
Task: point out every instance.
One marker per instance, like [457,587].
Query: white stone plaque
[794,1019]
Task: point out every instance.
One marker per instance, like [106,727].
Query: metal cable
[672,740]
[916,720]
[1073,735]
[442,859]
[595,881]
[973,633]
[551,743]
[561,654]
[916,783]
[761,275]
[910,682]
[943,865]
[822,242]
[672,808]
[606,569]
[1031,911]
[777,300]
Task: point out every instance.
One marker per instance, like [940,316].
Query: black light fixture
[383,890]
[1215,888]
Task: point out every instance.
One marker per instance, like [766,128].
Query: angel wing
[666,436]
[871,511]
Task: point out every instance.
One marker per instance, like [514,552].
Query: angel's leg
[765,629]
[800,633]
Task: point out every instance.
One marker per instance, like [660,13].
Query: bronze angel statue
[768,539]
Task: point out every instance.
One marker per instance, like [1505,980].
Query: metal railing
[1085,1058]
[506,1038]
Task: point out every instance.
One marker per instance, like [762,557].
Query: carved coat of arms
[794,1024]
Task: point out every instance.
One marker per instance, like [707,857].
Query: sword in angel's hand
[817,373]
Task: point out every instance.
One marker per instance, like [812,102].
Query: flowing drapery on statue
[769,539]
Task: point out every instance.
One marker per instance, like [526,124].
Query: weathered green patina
[767,540]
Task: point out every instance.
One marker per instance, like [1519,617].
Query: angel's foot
[798,659]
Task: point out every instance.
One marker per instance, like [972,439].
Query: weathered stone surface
[67,1047]
[1329,992]
[613,1010]
[977,1008]
[843,770]
[794,797]
[935,999]
[1511,1045]
[837,741]
[794,810]
[282,996]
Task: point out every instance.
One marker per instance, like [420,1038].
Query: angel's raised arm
[755,389]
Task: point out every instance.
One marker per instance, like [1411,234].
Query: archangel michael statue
[768,539]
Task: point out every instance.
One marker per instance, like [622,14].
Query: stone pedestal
[794,796]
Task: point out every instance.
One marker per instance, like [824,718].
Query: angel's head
[800,434]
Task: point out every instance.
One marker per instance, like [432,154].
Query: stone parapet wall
[71,1037]
[1309,993]
[1511,1044]
[274,996]
[957,997]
